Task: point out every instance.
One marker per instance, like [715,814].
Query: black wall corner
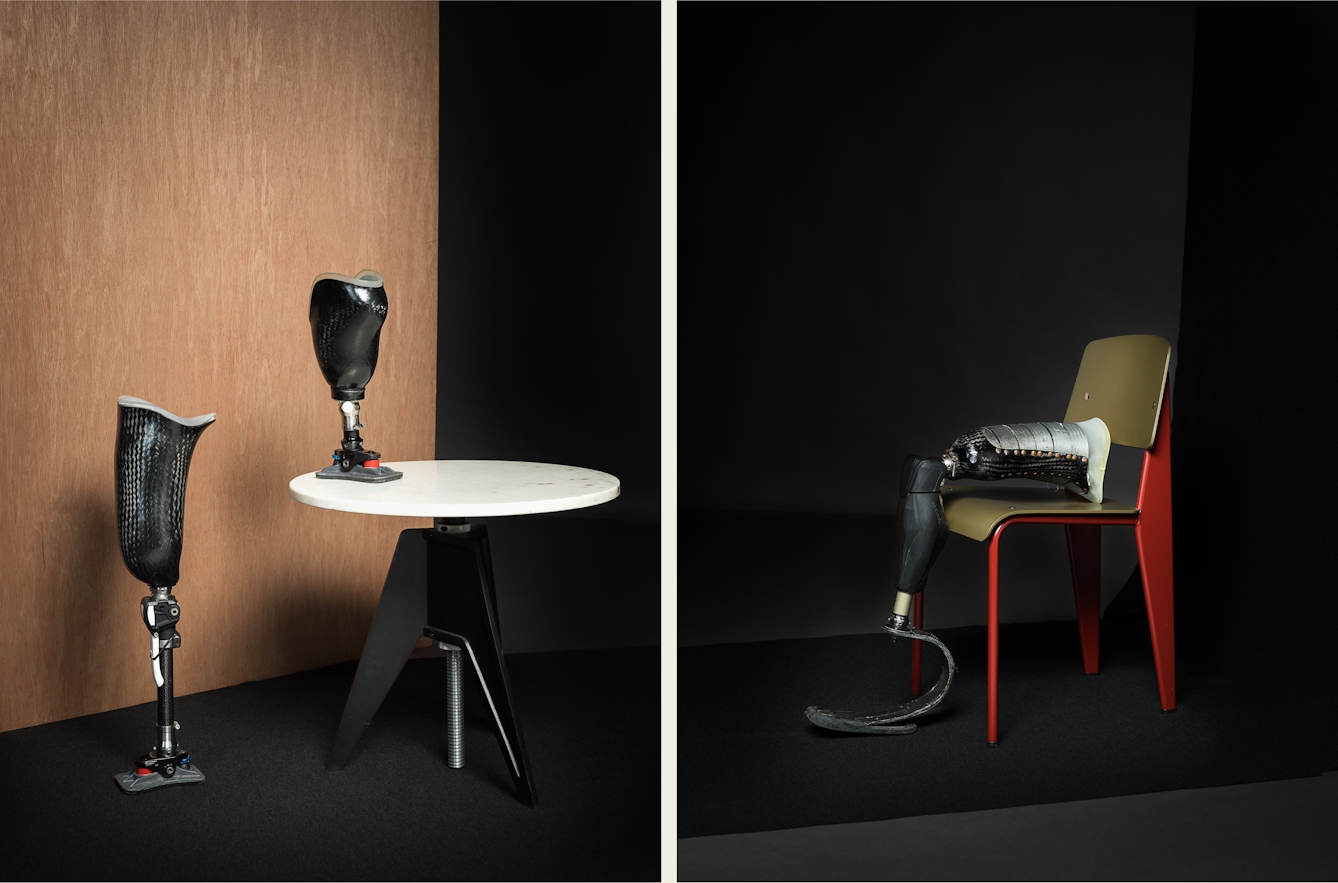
[548,338]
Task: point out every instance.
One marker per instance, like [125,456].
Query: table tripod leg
[462,610]
[395,632]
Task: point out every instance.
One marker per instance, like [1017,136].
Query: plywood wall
[172,177]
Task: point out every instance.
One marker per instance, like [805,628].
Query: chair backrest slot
[1121,381]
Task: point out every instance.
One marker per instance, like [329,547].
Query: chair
[1124,381]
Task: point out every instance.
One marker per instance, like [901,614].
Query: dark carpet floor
[1257,831]
[269,810]
[750,761]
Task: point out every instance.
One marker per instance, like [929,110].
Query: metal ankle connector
[350,411]
[900,619]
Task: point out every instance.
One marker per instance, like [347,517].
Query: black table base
[440,585]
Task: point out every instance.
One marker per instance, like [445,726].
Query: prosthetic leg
[921,532]
[346,319]
[153,452]
[1070,454]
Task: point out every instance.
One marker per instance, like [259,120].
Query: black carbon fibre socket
[346,319]
[922,529]
[153,453]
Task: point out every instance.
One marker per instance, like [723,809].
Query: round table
[440,582]
[462,489]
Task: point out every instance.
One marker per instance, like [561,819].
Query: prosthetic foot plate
[360,473]
[891,723]
[132,781]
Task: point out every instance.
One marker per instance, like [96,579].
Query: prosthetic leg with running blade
[1070,454]
[153,453]
[921,532]
[346,318]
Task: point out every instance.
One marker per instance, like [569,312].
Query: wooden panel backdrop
[172,177]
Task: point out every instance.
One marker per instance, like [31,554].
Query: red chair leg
[1154,559]
[992,652]
[1084,542]
[917,621]
[1155,548]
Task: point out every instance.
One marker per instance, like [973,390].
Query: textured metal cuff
[1063,453]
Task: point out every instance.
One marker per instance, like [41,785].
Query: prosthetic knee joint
[153,454]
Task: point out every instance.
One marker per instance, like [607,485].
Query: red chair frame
[1152,532]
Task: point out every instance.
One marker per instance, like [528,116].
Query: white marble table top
[462,489]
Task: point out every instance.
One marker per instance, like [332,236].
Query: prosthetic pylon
[921,532]
[346,318]
[153,453]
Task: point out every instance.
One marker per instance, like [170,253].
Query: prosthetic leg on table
[346,317]
[153,453]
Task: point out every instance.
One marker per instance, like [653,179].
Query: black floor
[1261,831]
[269,810]
[749,761]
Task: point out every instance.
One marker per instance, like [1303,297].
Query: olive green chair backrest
[1121,381]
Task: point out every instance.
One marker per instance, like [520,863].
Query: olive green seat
[975,512]
[1124,381]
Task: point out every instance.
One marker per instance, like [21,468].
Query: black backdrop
[549,328]
[1255,587]
[548,341]
[899,222]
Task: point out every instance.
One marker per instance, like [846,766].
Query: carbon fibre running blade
[893,722]
[854,722]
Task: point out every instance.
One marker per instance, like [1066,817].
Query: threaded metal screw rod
[455,711]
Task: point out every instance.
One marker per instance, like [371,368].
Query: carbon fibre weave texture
[346,322]
[153,454]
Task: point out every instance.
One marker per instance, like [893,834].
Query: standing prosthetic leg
[921,532]
[346,319]
[153,452]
